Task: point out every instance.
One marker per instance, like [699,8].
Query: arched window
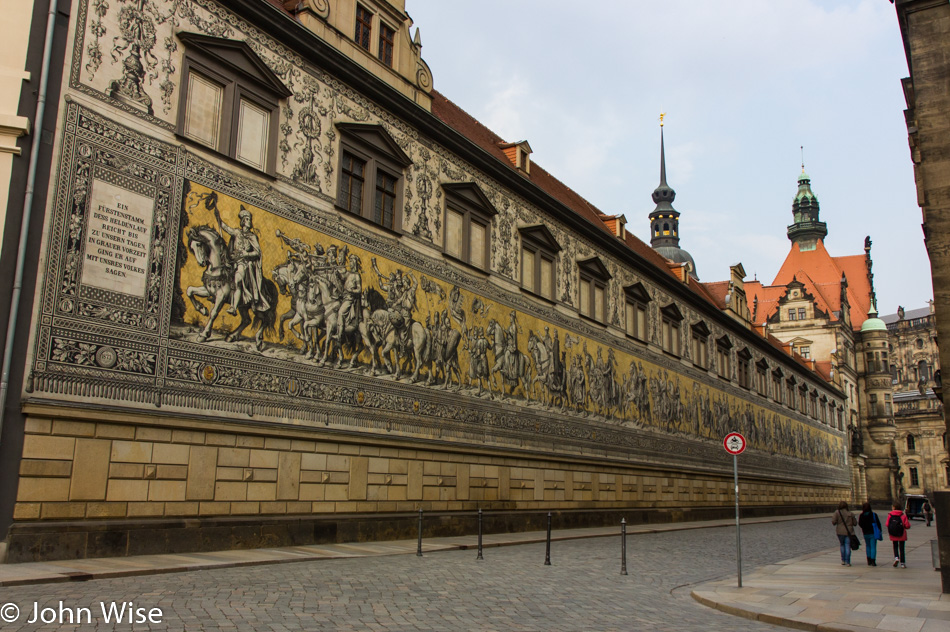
[911,443]
[666,229]
[923,371]
[920,343]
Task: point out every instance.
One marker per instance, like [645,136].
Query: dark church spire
[665,220]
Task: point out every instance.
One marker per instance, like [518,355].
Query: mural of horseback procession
[323,305]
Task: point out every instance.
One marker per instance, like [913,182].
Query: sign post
[735,445]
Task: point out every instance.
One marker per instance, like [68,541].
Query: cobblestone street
[510,590]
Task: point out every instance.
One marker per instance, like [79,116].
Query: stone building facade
[921,433]
[287,293]
[925,32]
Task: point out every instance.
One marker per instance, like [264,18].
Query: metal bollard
[623,546]
[419,548]
[547,552]
[479,536]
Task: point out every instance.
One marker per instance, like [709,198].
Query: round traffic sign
[734,443]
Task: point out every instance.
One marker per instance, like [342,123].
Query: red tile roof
[821,275]
[465,124]
[717,290]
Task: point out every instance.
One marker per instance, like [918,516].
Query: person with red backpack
[897,526]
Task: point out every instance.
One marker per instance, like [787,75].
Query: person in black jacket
[867,521]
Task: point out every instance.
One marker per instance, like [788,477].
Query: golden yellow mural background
[275,253]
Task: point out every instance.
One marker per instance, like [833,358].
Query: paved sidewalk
[814,592]
[100,568]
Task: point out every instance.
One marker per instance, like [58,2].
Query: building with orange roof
[280,291]
[819,305]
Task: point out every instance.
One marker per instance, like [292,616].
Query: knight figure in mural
[511,345]
[577,385]
[400,290]
[232,274]
[509,360]
[245,251]
[349,315]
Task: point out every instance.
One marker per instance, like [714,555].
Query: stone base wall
[112,484]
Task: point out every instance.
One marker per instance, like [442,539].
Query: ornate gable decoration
[795,291]
[701,329]
[238,57]
[594,267]
[638,293]
[375,138]
[672,311]
[470,194]
[540,235]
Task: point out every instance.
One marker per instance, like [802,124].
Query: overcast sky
[744,84]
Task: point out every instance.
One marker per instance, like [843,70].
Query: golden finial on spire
[802,147]
[662,114]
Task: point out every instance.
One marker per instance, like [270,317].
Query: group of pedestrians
[896,523]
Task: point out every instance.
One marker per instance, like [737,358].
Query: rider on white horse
[245,251]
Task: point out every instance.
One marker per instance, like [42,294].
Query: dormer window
[519,154]
[229,100]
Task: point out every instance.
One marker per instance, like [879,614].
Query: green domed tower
[805,229]
[880,425]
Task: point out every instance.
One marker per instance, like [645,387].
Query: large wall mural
[251,281]
[174,283]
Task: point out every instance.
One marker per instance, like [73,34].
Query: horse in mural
[306,308]
[509,361]
[341,336]
[211,253]
[386,332]
[549,378]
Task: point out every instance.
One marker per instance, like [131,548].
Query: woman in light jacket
[844,526]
